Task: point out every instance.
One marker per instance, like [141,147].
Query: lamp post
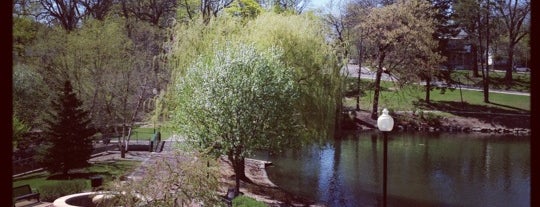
[385,123]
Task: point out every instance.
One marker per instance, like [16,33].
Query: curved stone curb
[62,201]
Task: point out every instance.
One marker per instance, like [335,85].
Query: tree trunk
[238,164]
[428,89]
[486,77]
[123,142]
[508,76]
[475,61]
[122,150]
[359,74]
[377,87]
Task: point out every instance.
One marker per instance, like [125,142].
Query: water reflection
[423,170]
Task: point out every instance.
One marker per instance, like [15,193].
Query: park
[271,103]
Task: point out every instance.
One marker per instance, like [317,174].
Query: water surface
[423,170]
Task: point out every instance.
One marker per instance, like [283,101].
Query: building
[459,52]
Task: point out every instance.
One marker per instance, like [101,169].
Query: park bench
[24,192]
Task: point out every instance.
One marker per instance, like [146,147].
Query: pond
[423,170]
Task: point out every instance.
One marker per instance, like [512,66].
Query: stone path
[169,145]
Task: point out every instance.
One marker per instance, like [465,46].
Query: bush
[433,119]
[51,192]
[244,201]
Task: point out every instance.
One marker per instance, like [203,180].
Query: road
[352,71]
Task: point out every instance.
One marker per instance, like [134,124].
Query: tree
[307,51]
[156,12]
[469,19]
[355,13]
[98,9]
[515,14]
[19,129]
[245,9]
[29,95]
[400,38]
[66,13]
[475,17]
[25,32]
[236,101]
[293,6]
[69,134]
[445,26]
[211,8]
[305,48]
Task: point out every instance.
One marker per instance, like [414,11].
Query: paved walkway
[152,157]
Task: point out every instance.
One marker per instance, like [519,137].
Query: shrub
[432,119]
[244,201]
[51,192]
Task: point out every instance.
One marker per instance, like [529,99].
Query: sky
[318,3]
[323,4]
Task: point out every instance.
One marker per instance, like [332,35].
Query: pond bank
[261,188]
[518,124]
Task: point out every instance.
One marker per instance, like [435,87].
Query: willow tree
[282,99]
[306,50]
[236,101]
[400,40]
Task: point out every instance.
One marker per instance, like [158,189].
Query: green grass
[244,201]
[408,97]
[148,133]
[109,171]
[521,81]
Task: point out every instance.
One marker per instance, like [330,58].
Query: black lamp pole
[385,160]
[385,123]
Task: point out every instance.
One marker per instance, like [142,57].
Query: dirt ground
[261,188]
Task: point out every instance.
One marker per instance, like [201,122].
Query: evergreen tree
[69,134]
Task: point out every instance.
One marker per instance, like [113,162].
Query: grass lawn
[409,98]
[107,170]
[148,133]
[522,81]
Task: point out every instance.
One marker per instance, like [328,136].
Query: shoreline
[262,188]
[408,121]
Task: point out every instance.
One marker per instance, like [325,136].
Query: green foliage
[98,59]
[244,201]
[399,38]
[238,99]
[432,119]
[19,129]
[69,134]
[188,10]
[403,32]
[29,94]
[25,31]
[306,51]
[51,192]
[245,8]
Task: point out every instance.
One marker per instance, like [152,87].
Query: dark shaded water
[423,170]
